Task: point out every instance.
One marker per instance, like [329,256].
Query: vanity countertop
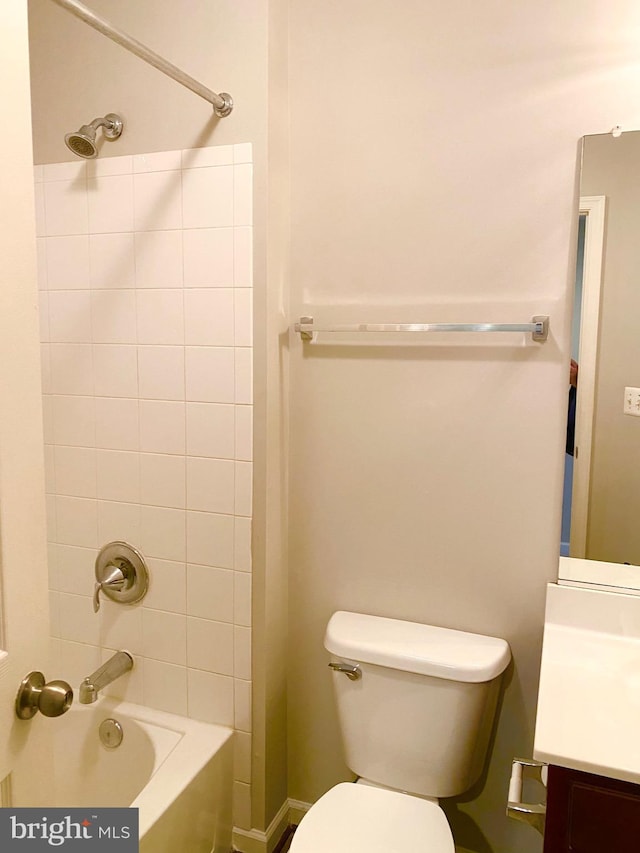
[588,715]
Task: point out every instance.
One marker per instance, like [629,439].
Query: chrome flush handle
[352,671]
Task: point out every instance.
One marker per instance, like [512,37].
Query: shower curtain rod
[222,103]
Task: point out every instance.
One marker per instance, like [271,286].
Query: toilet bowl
[416,705]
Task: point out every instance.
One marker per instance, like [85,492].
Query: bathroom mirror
[602,482]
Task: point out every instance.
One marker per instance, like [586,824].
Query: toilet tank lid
[413,647]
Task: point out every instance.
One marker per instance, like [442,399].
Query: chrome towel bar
[538,327]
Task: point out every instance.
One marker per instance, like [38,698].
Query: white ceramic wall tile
[167,587]
[157,201]
[77,660]
[208,257]
[210,485]
[41,255]
[118,475]
[210,374]
[116,424]
[152,421]
[244,375]
[198,158]
[243,488]
[51,502]
[243,194]
[242,805]
[210,593]
[242,599]
[160,316]
[164,636]
[161,372]
[209,317]
[210,539]
[75,471]
[67,262]
[243,432]
[242,757]
[118,522]
[115,370]
[242,705]
[210,645]
[159,161]
[77,620]
[165,686]
[243,317]
[162,532]
[242,652]
[159,259]
[120,627]
[105,166]
[43,305]
[242,544]
[242,152]
[162,426]
[207,197]
[69,316]
[111,261]
[71,369]
[72,170]
[74,420]
[41,217]
[163,480]
[110,204]
[210,697]
[75,569]
[66,209]
[77,521]
[210,430]
[47,419]
[113,316]
[52,559]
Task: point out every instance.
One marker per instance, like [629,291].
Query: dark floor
[285,842]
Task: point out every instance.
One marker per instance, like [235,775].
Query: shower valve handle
[115,577]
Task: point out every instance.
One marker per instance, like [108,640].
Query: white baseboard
[256,841]
[297,810]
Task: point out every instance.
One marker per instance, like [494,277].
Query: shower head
[83,141]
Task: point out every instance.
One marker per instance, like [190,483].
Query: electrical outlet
[632,401]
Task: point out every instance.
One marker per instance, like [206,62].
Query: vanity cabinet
[587,813]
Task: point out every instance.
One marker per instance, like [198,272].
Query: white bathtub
[177,772]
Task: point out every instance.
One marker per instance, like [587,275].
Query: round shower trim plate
[117,125]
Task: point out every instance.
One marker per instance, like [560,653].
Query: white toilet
[416,706]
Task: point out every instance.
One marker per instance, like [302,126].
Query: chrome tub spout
[118,665]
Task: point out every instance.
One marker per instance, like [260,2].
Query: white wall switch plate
[632,401]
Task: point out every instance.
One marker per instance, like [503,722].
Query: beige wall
[434,157]
[78,74]
[612,532]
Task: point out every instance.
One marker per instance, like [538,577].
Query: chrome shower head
[83,141]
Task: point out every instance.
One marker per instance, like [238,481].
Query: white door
[24,615]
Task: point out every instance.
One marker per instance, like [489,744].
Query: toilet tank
[419,717]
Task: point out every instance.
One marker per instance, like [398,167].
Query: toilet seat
[361,819]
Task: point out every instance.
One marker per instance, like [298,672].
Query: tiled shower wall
[146,296]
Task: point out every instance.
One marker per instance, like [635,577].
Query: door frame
[594,207]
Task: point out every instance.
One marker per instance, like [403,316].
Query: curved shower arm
[222,103]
